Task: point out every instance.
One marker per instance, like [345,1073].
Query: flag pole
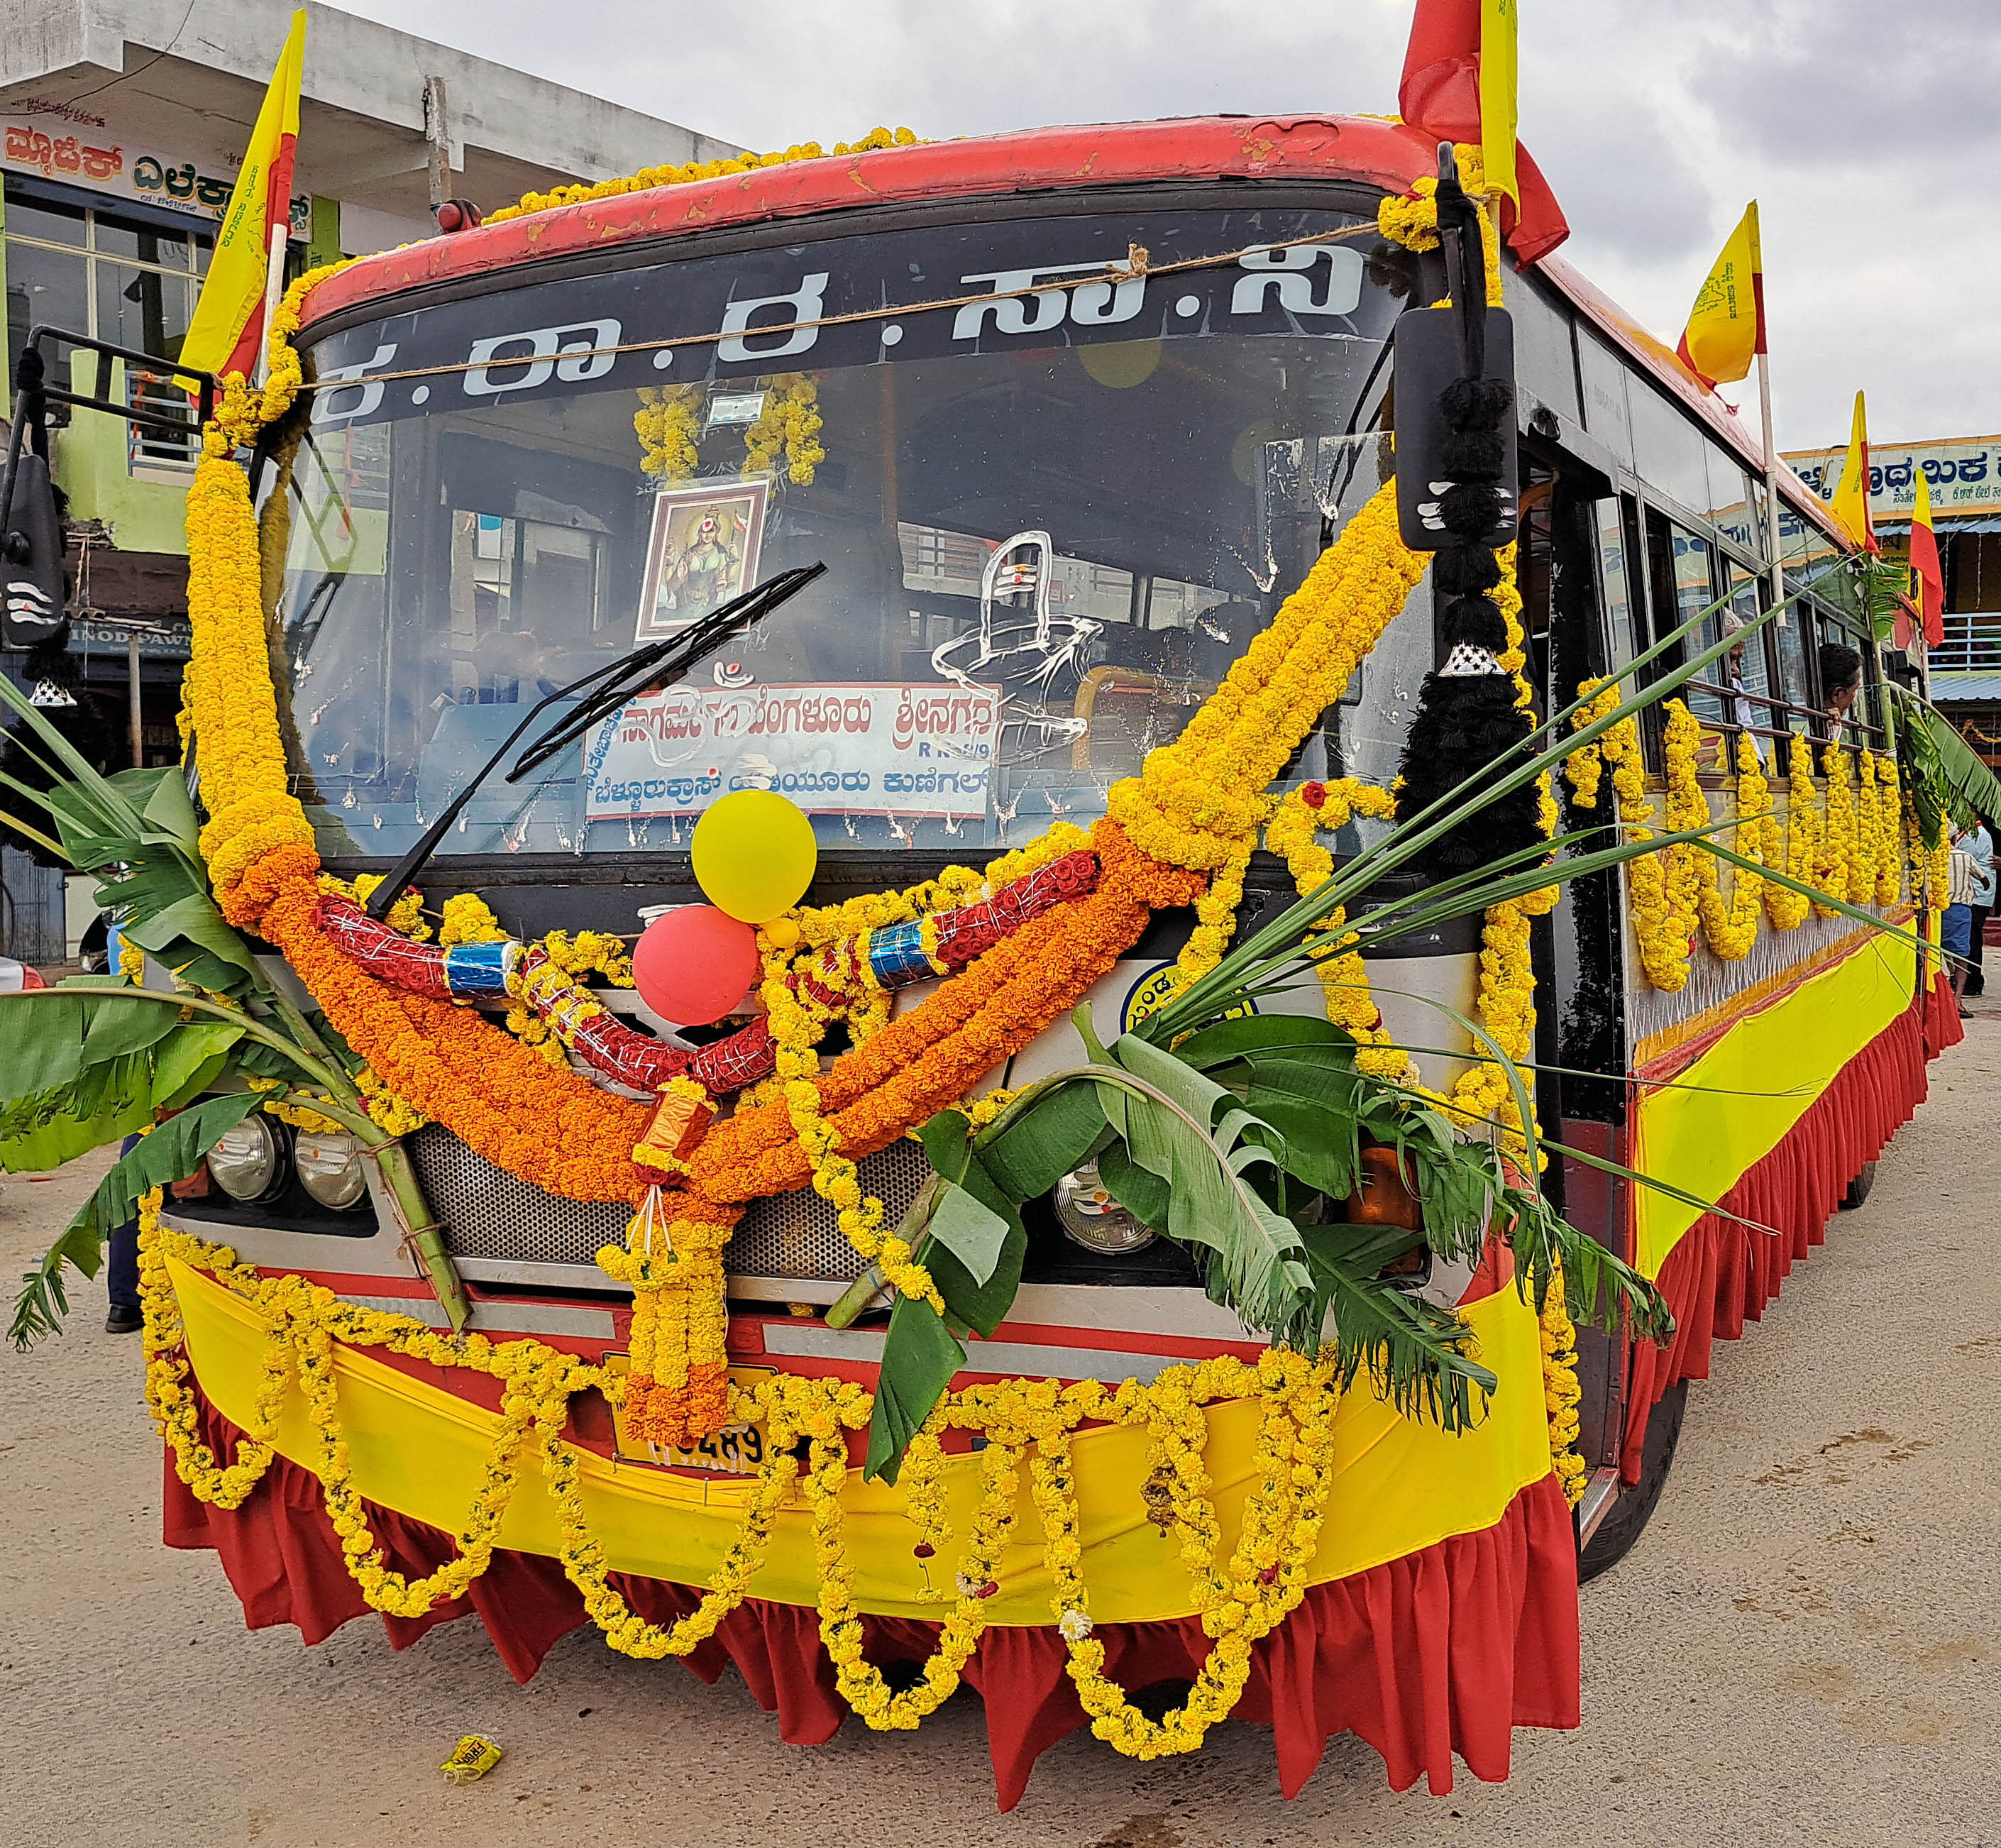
[1771,485]
[274,287]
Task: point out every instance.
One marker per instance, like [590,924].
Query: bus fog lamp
[248,1163]
[330,1169]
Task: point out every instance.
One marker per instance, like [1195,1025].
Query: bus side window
[1746,601]
[1617,562]
[1788,630]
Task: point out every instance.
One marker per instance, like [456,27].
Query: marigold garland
[676,1393]
[1240,1602]
[1850,849]
[668,424]
[1729,927]
[933,1055]
[1786,908]
[1561,1394]
[648,178]
[1506,1002]
[1197,800]
[1835,855]
[1344,976]
[788,422]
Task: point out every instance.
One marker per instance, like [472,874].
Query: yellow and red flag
[1726,327]
[229,325]
[1458,85]
[1925,563]
[1850,505]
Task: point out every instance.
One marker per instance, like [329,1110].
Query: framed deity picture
[703,551]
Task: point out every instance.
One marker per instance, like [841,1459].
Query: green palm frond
[1952,776]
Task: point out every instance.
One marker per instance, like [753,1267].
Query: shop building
[122,123]
[1964,475]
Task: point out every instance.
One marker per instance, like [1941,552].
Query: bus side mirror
[31,559]
[1433,458]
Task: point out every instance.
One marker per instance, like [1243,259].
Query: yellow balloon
[754,854]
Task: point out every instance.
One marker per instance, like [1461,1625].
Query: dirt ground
[1801,1648]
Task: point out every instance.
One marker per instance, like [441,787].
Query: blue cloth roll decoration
[896,955]
[479,971]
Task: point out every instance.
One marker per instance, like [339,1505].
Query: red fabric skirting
[1721,1274]
[1447,1649]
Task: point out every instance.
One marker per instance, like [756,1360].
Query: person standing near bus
[1956,923]
[1980,848]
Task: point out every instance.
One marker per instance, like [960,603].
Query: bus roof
[1370,150]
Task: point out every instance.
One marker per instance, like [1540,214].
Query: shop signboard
[1964,473]
[98,160]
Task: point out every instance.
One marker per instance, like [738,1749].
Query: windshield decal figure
[1025,657]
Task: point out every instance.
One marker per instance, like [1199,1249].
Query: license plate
[736,1450]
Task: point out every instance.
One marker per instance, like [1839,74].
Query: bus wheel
[1858,1189]
[1629,1514]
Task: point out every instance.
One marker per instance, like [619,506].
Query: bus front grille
[487,1213]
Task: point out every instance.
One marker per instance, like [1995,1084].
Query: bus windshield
[1050,522]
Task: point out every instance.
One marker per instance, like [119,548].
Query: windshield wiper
[606,689]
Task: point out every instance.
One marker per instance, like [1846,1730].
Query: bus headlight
[1091,1217]
[331,1168]
[248,1163]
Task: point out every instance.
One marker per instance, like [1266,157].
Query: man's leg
[121,1271]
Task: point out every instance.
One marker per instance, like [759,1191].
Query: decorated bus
[996,914]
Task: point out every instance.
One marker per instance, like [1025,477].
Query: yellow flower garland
[1835,853]
[788,421]
[1561,1394]
[1343,976]
[1851,849]
[1787,909]
[648,177]
[1263,1581]
[1196,801]
[1729,927]
[668,424]
[1507,996]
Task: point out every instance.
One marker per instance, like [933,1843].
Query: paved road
[1802,1648]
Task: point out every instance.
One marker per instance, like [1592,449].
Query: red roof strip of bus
[1364,149]
[1375,153]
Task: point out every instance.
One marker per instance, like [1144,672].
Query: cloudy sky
[1848,119]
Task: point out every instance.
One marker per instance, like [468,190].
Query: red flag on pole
[1440,96]
[1925,563]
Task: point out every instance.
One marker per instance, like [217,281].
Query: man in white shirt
[1979,847]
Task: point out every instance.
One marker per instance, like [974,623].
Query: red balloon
[694,964]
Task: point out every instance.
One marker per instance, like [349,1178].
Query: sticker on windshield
[871,748]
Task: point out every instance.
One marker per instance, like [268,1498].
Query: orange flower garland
[677,1392]
[932,1055]
[549,1127]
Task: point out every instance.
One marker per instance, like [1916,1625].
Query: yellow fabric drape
[1400,1487]
[1704,1140]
